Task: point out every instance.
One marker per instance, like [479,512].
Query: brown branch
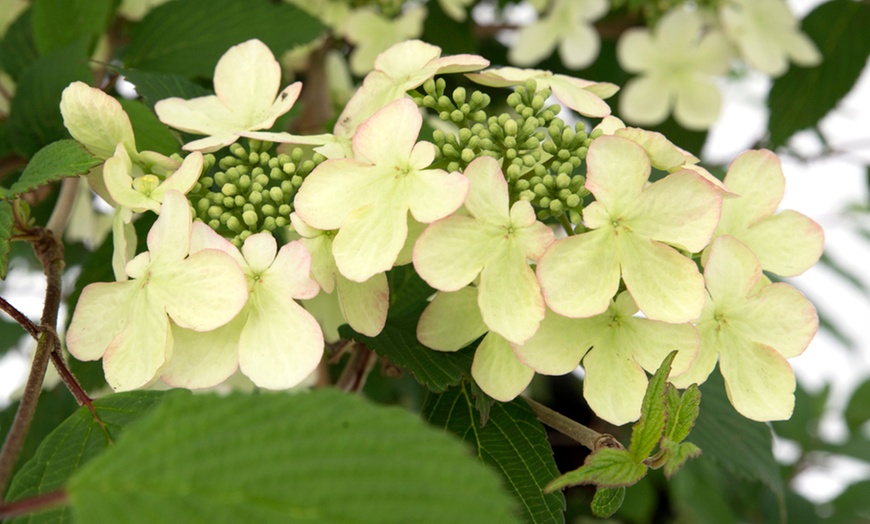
[571,429]
[20,317]
[42,502]
[354,375]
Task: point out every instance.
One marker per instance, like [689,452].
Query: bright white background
[822,188]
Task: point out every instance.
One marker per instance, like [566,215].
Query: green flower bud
[229,189]
[572,200]
[540,190]
[276,195]
[269,210]
[563,181]
[250,218]
[556,207]
[549,181]
[467,155]
[574,217]
[239,200]
[527,195]
[287,188]
[284,210]
[269,223]
[234,224]
[215,212]
[255,198]
[281,222]
[214,224]
[244,235]
[244,182]
[459,95]
[221,178]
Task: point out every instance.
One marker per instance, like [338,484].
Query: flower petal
[614,385]
[665,285]
[388,137]
[560,343]
[370,239]
[181,180]
[534,43]
[336,188]
[451,321]
[169,238]
[452,252]
[96,120]
[579,275]
[487,198]
[259,251]
[779,316]
[290,272]
[364,305]
[646,100]
[571,92]
[281,343]
[617,170]
[247,78]
[497,370]
[787,243]
[757,177]
[203,360]
[758,380]
[510,298]
[434,194]
[96,320]
[698,103]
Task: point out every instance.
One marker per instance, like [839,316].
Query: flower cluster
[647,267]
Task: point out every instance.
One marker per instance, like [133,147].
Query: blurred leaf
[61,159]
[315,456]
[409,293]
[57,23]
[803,96]
[5,235]
[74,443]
[451,36]
[701,493]
[647,432]
[512,441]
[34,116]
[54,406]
[844,273]
[858,410]
[737,444]
[604,467]
[151,134]
[188,37]
[17,50]
[154,87]
[10,336]
[802,427]
[851,506]
[678,454]
[607,501]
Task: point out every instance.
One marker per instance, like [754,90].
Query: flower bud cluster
[540,154]
[251,191]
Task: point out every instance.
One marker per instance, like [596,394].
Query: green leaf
[683,413]
[57,23]
[188,37]
[736,443]
[17,50]
[55,405]
[803,96]
[434,369]
[151,134]
[154,87]
[74,443]
[858,410]
[647,432]
[605,467]
[678,454]
[512,441]
[409,294]
[61,159]
[851,506]
[5,235]
[34,116]
[607,501]
[315,456]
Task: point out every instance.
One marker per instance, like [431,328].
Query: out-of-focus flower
[767,35]
[676,64]
[568,24]
[372,33]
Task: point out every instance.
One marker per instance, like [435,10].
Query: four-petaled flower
[246,82]
[786,243]
[752,327]
[367,199]
[127,324]
[495,242]
[677,68]
[616,348]
[631,223]
[568,24]
[273,341]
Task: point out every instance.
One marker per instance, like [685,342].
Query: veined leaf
[647,431]
[605,467]
[683,413]
[154,87]
[5,235]
[61,159]
[607,501]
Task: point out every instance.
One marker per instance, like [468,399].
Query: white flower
[273,340]
[568,25]
[371,33]
[127,324]
[246,82]
[677,66]
[767,34]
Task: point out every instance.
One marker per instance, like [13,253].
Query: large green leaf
[736,443]
[803,96]
[34,116]
[72,444]
[57,23]
[61,159]
[17,50]
[154,87]
[151,134]
[55,405]
[318,456]
[189,36]
[858,411]
[512,441]
[5,235]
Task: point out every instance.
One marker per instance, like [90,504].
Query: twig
[42,502]
[354,375]
[49,251]
[571,429]
[20,317]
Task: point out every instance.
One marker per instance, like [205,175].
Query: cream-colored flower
[372,33]
[568,25]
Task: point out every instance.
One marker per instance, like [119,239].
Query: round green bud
[572,200]
[250,218]
[596,133]
[214,224]
[564,193]
[563,181]
[244,182]
[457,116]
[459,95]
[221,178]
[527,195]
[556,207]
[296,182]
[467,155]
[269,223]
[255,198]
[215,212]
[549,181]
[256,188]
[521,185]
[237,150]
[229,189]
[239,200]
[281,222]
[465,135]
[453,166]
[287,187]
[513,172]
[276,195]
[234,224]
[202,205]
[510,141]
[234,173]
[574,217]
[206,182]
[284,210]
[244,235]
[543,214]
[510,154]
[269,210]
[540,190]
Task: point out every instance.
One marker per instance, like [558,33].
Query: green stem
[566,224]
[571,429]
